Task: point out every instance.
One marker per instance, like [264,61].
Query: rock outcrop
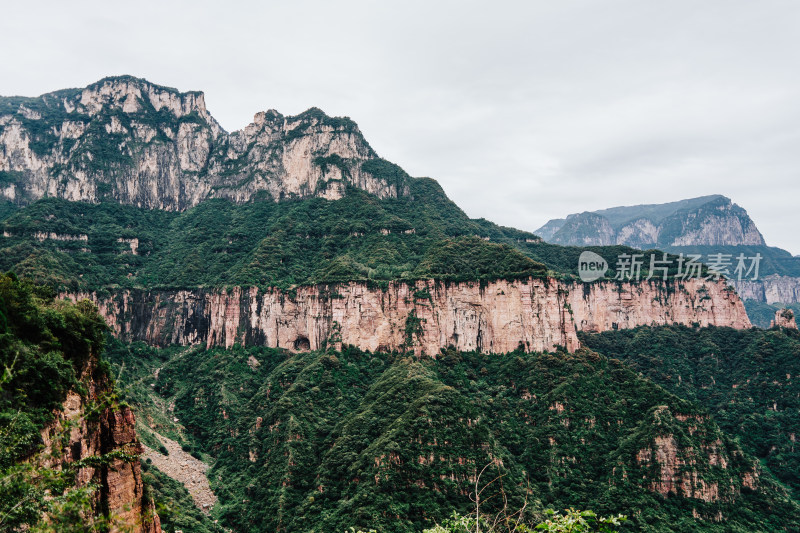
[770,289]
[705,221]
[784,318]
[107,438]
[134,142]
[495,317]
[688,456]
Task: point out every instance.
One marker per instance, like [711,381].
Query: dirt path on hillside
[184,468]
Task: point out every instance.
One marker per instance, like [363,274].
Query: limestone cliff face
[131,141]
[120,495]
[715,224]
[770,289]
[496,317]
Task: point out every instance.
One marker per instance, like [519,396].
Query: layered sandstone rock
[426,316]
[120,492]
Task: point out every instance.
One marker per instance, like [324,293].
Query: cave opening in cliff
[302,344]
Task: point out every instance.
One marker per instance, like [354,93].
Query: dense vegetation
[747,379]
[218,243]
[326,440]
[773,260]
[261,243]
[45,350]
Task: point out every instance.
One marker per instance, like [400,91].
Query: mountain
[745,378]
[705,221]
[703,226]
[137,143]
[327,440]
[68,447]
[333,343]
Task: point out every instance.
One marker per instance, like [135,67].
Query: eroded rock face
[686,455]
[131,141]
[121,490]
[770,289]
[705,221]
[495,317]
[784,318]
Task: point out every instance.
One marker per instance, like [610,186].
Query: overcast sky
[523,111]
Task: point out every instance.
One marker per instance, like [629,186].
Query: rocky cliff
[686,455]
[100,433]
[770,289]
[495,317]
[705,221]
[784,318]
[134,142]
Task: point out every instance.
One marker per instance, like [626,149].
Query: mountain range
[703,226]
[327,342]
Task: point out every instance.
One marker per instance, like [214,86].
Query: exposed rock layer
[121,491]
[494,317]
[770,289]
[784,318]
[705,221]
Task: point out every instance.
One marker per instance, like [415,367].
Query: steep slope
[703,226]
[326,440]
[82,246]
[747,379]
[142,144]
[68,448]
[705,221]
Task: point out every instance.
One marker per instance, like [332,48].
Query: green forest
[267,244]
[323,441]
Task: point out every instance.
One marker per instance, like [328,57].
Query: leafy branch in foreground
[505,521]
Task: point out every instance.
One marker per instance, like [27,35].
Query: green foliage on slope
[762,314]
[323,441]
[262,243]
[174,504]
[45,350]
[747,379]
[773,260]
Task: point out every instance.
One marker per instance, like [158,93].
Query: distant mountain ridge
[131,141]
[705,221]
[702,226]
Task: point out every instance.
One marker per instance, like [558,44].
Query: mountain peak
[127,139]
[712,220]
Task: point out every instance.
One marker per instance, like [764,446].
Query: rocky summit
[705,221]
[131,141]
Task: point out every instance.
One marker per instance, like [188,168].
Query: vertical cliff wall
[127,140]
[770,289]
[426,316]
